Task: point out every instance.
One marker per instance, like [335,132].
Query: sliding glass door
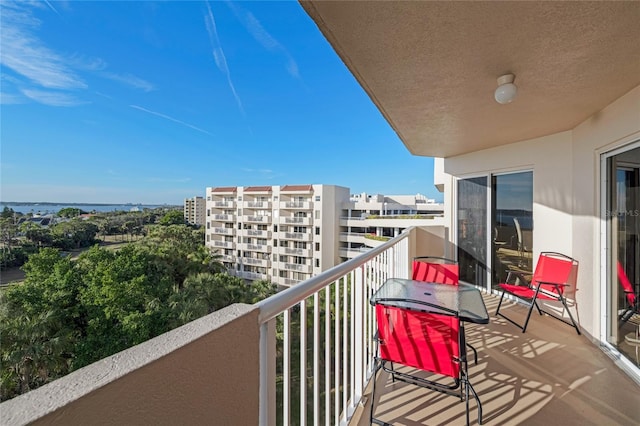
[512,224]
[623,241]
[472,230]
[495,227]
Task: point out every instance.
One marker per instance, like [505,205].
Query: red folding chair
[425,341]
[554,273]
[435,270]
[632,299]
[438,270]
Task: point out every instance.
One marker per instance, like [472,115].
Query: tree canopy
[70,313]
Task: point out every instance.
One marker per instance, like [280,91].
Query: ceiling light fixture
[506,91]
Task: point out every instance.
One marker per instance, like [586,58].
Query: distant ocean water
[47,208]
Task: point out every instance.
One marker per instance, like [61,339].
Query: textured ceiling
[431,67]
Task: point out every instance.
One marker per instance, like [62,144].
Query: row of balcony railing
[305,205]
[263,219]
[327,328]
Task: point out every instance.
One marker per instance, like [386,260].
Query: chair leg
[526,322]
[475,354]
[373,390]
[564,303]
[500,303]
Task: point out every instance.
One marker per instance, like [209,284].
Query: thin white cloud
[51,7]
[130,80]
[166,117]
[27,55]
[50,98]
[262,36]
[11,99]
[218,54]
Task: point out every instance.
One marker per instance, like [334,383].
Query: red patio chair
[632,299]
[425,341]
[554,273]
[438,270]
[435,270]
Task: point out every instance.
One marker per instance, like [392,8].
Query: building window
[317,214]
[317,246]
[239,198]
[317,230]
[284,258]
[317,198]
[317,263]
[275,228]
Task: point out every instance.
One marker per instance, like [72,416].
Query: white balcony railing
[298,236]
[297,251]
[223,203]
[304,205]
[225,244]
[258,219]
[296,220]
[257,204]
[224,217]
[346,342]
[224,231]
[298,267]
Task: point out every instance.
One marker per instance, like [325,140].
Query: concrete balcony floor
[546,376]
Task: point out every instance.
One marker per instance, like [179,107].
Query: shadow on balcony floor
[547,376]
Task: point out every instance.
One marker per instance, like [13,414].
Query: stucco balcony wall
[190,375]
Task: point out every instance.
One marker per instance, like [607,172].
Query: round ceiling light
[506,91]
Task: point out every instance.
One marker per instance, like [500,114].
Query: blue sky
[151,102]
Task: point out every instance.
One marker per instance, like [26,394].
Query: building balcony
[253,276]
[257,219]
[238,366]
[296,251]
[224,203]
[257,204]
[298,268]
[223,244]
[296,220]
[227,258]
[300,205]
[257,233]
[224,231]
[257,262]
[297,236]
[262,248]
[224,217]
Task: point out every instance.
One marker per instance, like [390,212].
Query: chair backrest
[555,268]
[626,285]
[516,222]
[421,340]
[435,270]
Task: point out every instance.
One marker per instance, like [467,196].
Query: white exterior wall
[566,191]
[274,216]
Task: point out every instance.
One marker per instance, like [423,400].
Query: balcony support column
[268,373]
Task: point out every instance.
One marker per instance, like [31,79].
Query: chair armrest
[552,283]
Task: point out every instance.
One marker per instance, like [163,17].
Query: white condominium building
[194,209]
[369,220]
[285,234]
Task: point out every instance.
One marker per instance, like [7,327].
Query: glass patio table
[463,300]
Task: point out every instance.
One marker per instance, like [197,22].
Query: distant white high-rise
[287,234]
[194,209]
